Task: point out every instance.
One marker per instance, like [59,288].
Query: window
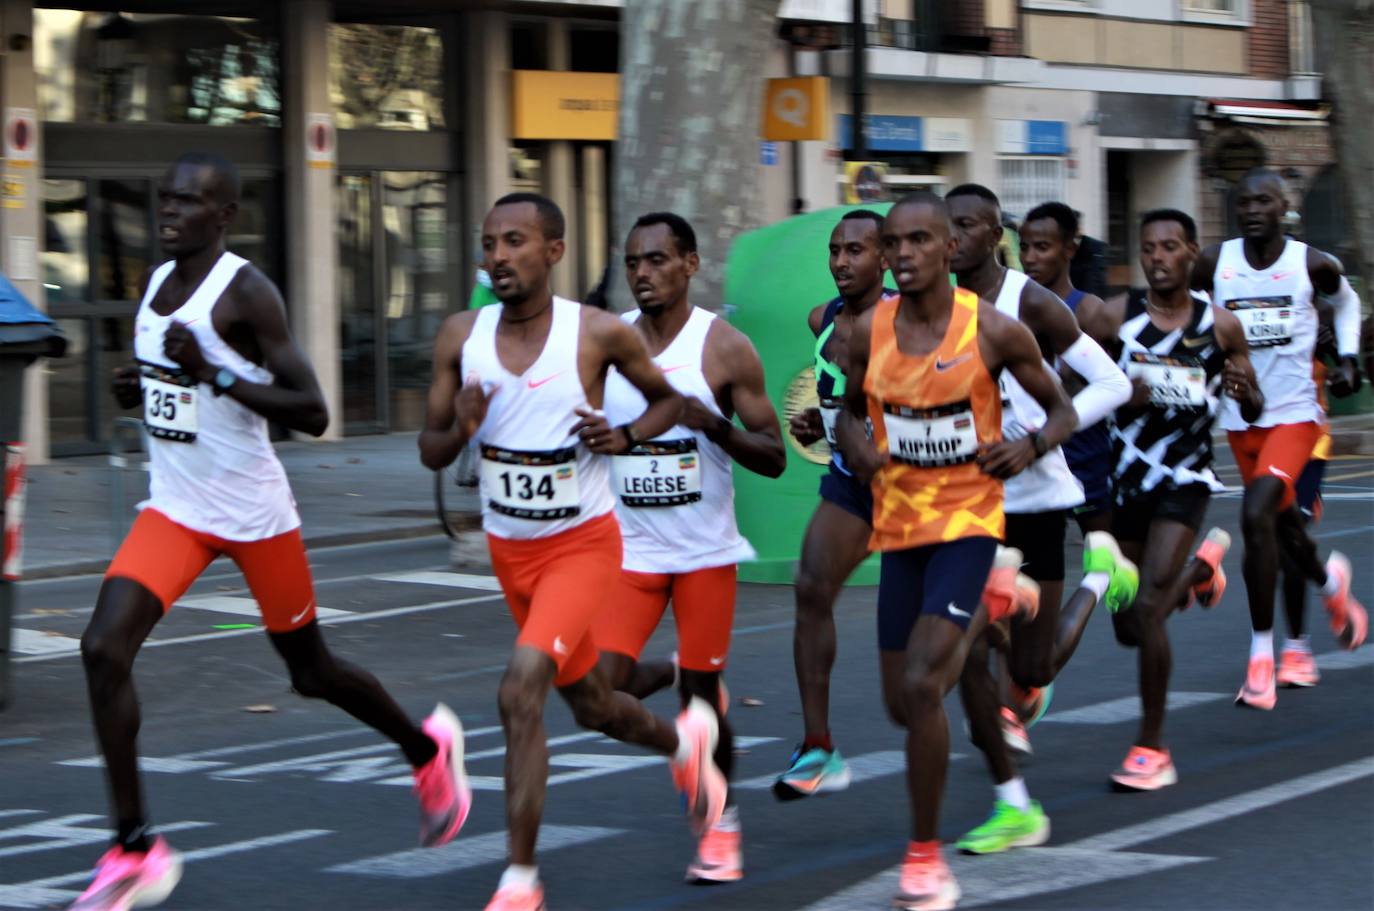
[1217,12]
[1211,6]
[1024,183]
[155,68]
[389,77]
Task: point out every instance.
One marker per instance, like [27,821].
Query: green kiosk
[773,277]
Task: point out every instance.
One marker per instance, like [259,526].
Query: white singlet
[1047,484]
[1275,309]
[675,496]
[212,466]
[537,479]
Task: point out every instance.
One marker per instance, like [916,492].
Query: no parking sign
[21,136]
[319,140]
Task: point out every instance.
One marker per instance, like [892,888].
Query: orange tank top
[930,413]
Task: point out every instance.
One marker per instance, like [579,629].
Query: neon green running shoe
[1102,555]
[1008,828]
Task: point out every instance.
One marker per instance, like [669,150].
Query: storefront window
[386,76]
[65,262]
[155,68]
[1024,183]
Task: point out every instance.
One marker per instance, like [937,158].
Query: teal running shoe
[813,771]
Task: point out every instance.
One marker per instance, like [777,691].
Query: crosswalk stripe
[451,580]
[1127,708]
[33,642]
[466,853]
[243,607]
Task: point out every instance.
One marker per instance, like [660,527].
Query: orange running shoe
[1145,770]
[1297,668]
[718,858]
[1211,552]
[1014,733]
[1349,621]
[926,885]
[1008,591]
[1259,692]
[518,898]
[697,778]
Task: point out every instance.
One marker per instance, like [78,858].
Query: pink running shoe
[1014,733]
[132,879]
[1297,668]
[697,777]
[518,898]
[1145,769]
[718,858]
[1349,621]
[1008,591]
[1211,552]
[926,885]
[1259,692]
[441,783]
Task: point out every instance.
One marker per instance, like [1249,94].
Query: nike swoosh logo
[1275,470]
[535,384]
[942,366]
[558,645]
[717,662]
[958,612]
[678,367]
[1195,342]
[1279,276]
[301,616]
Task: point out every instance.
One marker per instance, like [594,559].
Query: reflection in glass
[155,68]
[417,261]
[116,341]
[68,407]
[357,301]
[65,266]
[123,242]
[253,234]
[386,76]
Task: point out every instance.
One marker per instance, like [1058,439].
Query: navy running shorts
[942,580]
[1310,488]
[1187,505]
[845,491]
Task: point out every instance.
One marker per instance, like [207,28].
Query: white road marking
[1343,660]
[33,642]
[69,831]
[1117,711]
[1027,872]
[243,607]
[452,580]
[466,853]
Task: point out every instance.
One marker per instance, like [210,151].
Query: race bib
[1174,382]
[830,414]
[660,473]
[931,437]
[1268,321]
[531,485]
[169,404]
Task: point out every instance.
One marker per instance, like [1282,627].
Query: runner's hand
[597,434]
[1007,458]
[806,426]
[470,407]
[1345,378]
[866,462]
[1140,393]
[1234,381]
[128,391]
[696,416]
[181,347]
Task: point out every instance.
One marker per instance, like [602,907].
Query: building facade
[371,142]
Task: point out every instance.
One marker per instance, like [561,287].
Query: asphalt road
[297,807]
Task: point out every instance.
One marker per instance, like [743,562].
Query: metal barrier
[124,457]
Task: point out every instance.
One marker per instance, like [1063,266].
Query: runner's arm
[1107,387]
[806,425]
[815,318]
[758,445]
[1238,377]
[125,382]
[444,436]
[1328,278]
[860,454]
[293,398]
[1205,269]
[626,352]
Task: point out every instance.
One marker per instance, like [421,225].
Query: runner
[1177,348]
[1037,497]
[1268,280]
[1297,668]
[676,498]
[923,368]
[836,539]
[523,379]
[215,363]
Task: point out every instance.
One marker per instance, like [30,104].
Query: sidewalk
[369,488]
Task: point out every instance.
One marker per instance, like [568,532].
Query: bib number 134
[530,485]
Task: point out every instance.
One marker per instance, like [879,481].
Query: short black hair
[975,189]
[551,221]
[1174,215]
[679,227]
[227,183]
[1065,217]
[925,198]
[1263,172]
[859,214]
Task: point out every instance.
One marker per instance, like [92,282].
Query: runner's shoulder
[816,318]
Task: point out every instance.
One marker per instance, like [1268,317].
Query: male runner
[675,496]
[836,539]
[1178,349]
[524,380]
[1039,489]
[923,368]
[1268,281]
[216,362]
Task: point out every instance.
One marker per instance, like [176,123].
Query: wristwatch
[629,431]
[1038,444]
[224,380]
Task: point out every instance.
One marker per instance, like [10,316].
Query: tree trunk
[691,89]
[1344,32]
